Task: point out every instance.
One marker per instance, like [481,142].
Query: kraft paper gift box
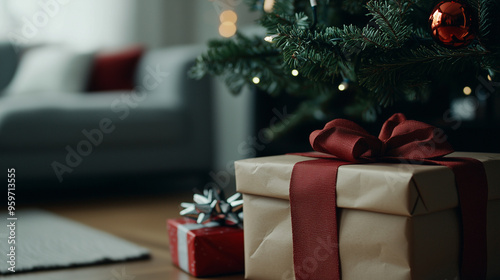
[396,221]
[205,249]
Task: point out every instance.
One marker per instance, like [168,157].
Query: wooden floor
[141,221]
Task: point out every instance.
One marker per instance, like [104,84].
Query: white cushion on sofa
[51,70]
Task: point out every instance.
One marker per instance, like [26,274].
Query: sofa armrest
[164,73]
[9,63]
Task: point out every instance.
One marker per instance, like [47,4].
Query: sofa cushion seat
[70,119]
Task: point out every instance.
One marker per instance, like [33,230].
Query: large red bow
[399,138]
[343,142]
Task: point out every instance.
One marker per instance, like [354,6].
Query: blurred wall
[94,24]
[187,21]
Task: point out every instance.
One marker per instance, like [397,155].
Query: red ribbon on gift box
[341,142]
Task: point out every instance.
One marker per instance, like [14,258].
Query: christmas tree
[377,53]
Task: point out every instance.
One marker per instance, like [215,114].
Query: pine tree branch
[387,55]
[409,69]
[376,12]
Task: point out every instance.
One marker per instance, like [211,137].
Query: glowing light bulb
[467,90]
[270,38]
[295,72]
[256,80]
[344,85]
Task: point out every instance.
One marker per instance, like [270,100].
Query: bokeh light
[227,29]
[467,90]
[228,16]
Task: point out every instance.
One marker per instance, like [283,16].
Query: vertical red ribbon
[314,219]
[472,188]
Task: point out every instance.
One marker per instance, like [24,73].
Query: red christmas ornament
[452,24]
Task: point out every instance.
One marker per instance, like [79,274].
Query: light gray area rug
[45,241]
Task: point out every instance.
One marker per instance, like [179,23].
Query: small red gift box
[206,249]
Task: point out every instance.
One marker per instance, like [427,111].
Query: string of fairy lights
[228,28]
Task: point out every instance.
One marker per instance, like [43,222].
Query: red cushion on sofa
[115,71]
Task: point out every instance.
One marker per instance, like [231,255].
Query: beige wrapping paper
[397,221]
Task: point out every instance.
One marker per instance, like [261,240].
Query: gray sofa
[164,129]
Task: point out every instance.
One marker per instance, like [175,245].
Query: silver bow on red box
[211,205]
